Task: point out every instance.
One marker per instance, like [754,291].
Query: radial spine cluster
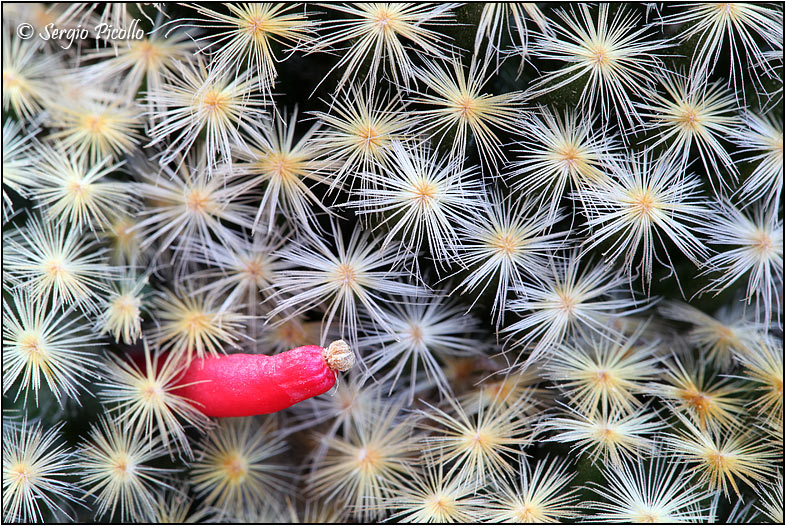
[548,236]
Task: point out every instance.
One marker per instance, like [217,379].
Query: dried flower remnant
[241,385]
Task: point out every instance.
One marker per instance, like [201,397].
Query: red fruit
[255,384]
